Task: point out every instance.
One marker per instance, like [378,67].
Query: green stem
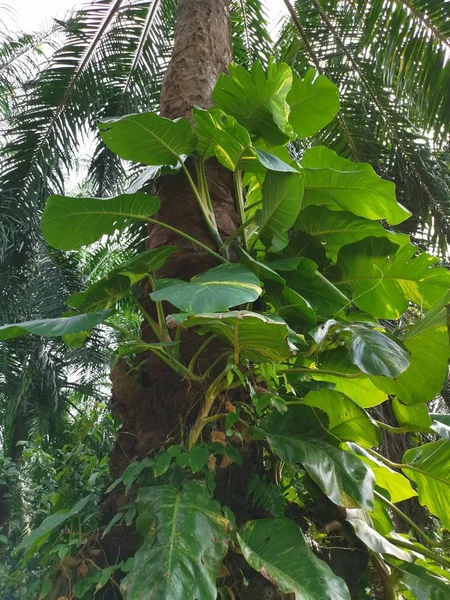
[175,365]
[427,540]
[415,548]
[124,332]
[389,590]
[207,214]
[214,418]
[405,429]
[401,466]
[240,207]
[204,183]
[211,394]
[159,307]
[186,237]
[161,334]
[321,372]
[238,231]
[199,351]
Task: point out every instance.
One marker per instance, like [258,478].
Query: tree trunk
[154,404]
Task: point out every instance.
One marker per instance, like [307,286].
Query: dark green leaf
[300,436]
[185,541]
[277,549]
[423,584]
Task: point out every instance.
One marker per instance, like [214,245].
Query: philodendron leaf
[362,526]
[431,473]
[335,228]
[360,389]
[54,327]
[257,100]
[396,486]
[422,583]
[69,223]
[416,416]
[185,540]
[314,101]
[151,173]
[384,278]
[300,436]
[428,344]
[341,184]
[371,350]
[289,304]
[347,421]
[148,138]
[282,195]
[260,338]
[108,290]
[277,549]
[215,290]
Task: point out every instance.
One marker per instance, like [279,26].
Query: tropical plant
[278,388]
[247,439]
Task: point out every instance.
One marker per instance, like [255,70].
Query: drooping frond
[385,59]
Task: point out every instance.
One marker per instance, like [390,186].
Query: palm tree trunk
[157,406]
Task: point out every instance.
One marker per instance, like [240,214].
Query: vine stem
[401,466]
[426,539]
[237,177]
[211,394]
[162,335]
[321,372]
[415,548]
[405,429]
[186,237]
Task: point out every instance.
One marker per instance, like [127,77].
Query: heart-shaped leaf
[215,290]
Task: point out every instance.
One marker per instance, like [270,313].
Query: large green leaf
[337,228]
[371,350]
[185,541]
[277,549]
[108,290]
[257,100]
[428,344]
[69,223]
[314,101]
[340,184]
[383,278]
[289,304]
[148,138]
[324,297]
[347,421]
[54,327]
[433,479]
[362,526]
[50,523]
[258,337]
[300,436]
[412,416]
[360,389]
[215,290]
[281,202]
[396,485]
[422,583]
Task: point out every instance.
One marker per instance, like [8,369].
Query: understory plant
[317,311]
